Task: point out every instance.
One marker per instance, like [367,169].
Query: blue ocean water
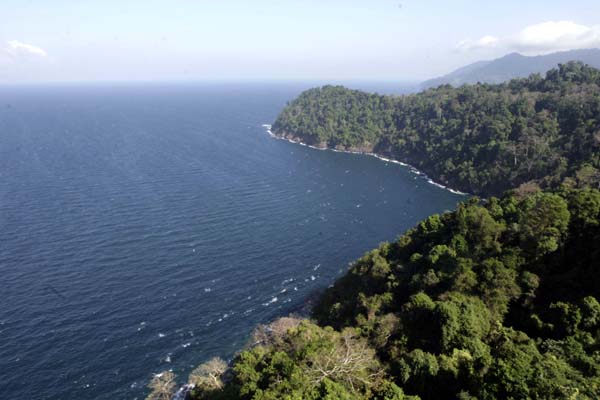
[145,228]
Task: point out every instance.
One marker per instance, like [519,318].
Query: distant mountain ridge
[513,65]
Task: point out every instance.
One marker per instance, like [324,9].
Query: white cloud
[545,37]
[557,35]
[16,48]
[485,42]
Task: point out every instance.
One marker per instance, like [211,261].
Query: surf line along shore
[414,170]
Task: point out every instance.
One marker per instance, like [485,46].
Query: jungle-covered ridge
[495,300]
[482,139]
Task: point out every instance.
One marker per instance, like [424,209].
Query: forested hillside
[482,139]
[496,300]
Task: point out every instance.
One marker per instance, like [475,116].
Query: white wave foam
[183,392]
[268,303]
[224,317]
[385,159]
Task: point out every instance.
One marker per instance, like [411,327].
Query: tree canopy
[496,300]
[482,139]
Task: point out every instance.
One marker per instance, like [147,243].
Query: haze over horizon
[181,40]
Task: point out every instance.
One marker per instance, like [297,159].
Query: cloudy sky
[405,40]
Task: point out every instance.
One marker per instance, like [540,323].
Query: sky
[262,40]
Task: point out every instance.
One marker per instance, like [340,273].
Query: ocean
[151,227]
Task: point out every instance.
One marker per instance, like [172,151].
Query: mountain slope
[512,66]
[482,139]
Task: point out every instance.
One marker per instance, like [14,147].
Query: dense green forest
[482,139]
[496,300]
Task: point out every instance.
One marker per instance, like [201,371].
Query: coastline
[412,169]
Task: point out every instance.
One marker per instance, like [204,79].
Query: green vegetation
[307,362]
[496,300]
[482,139]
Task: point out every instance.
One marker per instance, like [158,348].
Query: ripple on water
[148,228]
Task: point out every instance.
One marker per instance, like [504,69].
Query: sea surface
[150,227]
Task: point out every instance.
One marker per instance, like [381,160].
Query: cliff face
[291,137]
[322,145]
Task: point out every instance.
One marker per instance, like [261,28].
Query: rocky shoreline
[364,150]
